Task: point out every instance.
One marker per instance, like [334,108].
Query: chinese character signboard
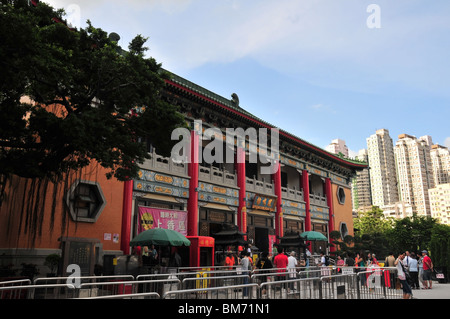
[264,203]
[162,218]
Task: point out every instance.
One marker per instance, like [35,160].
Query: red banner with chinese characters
[162,218]
[272,240]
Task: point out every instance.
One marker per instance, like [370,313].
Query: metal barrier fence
[55,291]
[306,288]
[375,283]
[214,282]
[14,293]
[249,291]
[84,279]
[145,295]
[99,289]
[303,283]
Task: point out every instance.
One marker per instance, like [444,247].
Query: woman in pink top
[340,262]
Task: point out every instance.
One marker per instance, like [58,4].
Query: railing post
[320,289]
[358,288]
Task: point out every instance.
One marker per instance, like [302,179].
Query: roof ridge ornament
[235,100]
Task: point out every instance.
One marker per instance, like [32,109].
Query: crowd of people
[413,270]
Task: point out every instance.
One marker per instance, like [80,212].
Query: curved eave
[249,117]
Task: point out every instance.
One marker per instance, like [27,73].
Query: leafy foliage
[413,234]
[372,222]
[440,246]
[88,98]
[377,234]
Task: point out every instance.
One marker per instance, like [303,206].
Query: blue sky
[311,67]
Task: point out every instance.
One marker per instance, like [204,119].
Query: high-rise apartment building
[414,172]
[440,157]
[383,181]
[361,194]
[440,203]
[337,146]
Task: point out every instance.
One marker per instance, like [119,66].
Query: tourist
[175,258]
[374,260]
[414,272]
[360,264]
[340,263]
[427,269]
[407,260]
[292,264]
[280,262]
[229,261]
[264,264]
[402,276]
[390,260]
[369,259]
[349,260]
[145,257]
[245,264]
[390,275]
[420,266]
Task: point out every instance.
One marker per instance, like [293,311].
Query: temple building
[311,190]
[261,192]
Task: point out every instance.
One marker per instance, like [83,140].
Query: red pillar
[126,216]
[278,213]
[305,183]
[241,182]
[192,227]
[328,193]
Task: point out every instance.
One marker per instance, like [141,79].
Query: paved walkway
[439,291]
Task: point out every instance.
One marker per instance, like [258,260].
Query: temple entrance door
[214,228]
[262,239]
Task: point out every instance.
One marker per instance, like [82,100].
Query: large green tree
[411,233]
[90,100]
[371,222]
[69,97]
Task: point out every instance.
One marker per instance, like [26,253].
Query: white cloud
[323,108]
[352,153]
[447,142]
[325,42]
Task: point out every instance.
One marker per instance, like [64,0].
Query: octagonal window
[343,230]
[341,195]
[85,201]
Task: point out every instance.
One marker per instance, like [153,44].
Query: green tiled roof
[228,103]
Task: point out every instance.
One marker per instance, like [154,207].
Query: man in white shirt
[245,263]
[414,272]
[292,263]
[407,260]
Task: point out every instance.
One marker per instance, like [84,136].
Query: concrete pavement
[439,291]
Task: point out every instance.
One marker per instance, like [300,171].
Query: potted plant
[52,262]
[29,271]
